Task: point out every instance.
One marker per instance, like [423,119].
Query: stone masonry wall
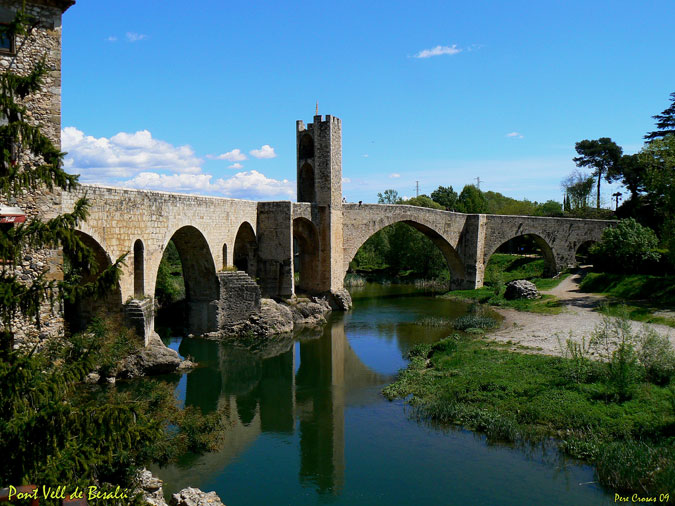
[562,235]
[118,217]
[43,109]
[239,298]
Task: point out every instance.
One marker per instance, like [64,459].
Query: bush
[472,321]
[628,248]
[616,344]
[578,366]
[657,356]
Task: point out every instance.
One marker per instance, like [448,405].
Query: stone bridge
[317,236]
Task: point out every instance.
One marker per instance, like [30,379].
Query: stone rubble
[521,289]
[151,489]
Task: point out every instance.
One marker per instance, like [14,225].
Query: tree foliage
[472,201]
[53,432]
[389,197]
[602,155]
[628,247]
[578,189]
[665,122]
[29,161]
[446,197]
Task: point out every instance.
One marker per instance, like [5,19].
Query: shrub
[657,356]
[616,344]
[629,248]
[473,321]
[577,366]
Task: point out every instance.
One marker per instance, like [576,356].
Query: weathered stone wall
[445,229]
[239,298]
[43,42]
[118,217]
[275,249]
[560,238]
[468,241]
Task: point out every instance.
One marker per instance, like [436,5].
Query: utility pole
[417,188]
[478,182]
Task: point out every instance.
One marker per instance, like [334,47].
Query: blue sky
[203,97]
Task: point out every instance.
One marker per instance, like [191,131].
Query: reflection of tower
[320,400]
[319,177]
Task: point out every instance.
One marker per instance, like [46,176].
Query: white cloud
[438,51]
[112,38]
[123,155]
[137,160]
[394,175]
[235,165]
[231,156]
[365,156]
[253,184]
[170,182]
[265,151]
[135,37]
[515,135]
[346,180]
[248,185]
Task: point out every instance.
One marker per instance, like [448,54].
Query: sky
[202,97]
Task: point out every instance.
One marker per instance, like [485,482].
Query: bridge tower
[319,177]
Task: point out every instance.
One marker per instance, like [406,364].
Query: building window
[6,41]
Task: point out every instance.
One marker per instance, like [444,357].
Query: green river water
[310,426]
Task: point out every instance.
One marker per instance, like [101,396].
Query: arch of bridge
[562,236]
[118,217]
[444,228]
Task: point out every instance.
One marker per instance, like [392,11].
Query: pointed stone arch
[139,269]
[245,249]
[306,184]
[551,268]
[306,251]
[79,313]
[452,257]
[199,276]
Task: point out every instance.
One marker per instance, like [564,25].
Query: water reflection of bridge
[301,386]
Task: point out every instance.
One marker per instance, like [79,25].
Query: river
[310,426]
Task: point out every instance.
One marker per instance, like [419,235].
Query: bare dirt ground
[542,332]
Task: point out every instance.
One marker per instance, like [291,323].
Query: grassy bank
[645,298]
[503,268]
[477,384]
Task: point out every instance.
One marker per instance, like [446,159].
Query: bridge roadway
[264,238]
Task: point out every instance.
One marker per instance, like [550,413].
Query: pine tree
[29,161]
[51,431]
[665,122]
[47,434]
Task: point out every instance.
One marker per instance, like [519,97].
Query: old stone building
[20,55]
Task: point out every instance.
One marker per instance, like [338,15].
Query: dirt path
[541,331]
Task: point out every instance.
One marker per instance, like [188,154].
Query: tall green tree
[389,197]
[665,122]
[446,197]
[602,155]
[51,432]
[631,171]
[29,163]
[658,158]
[472,201]
[578,189]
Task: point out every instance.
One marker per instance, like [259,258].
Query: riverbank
[576,319]
[479,383]
[524,398]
